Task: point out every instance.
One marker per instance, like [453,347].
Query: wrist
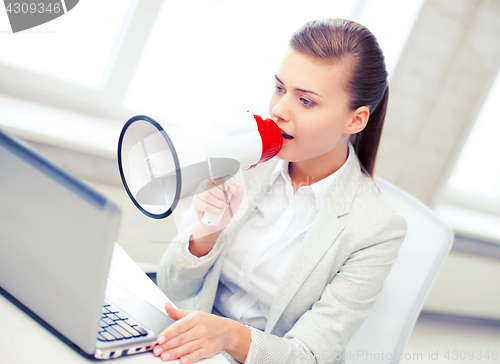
[202,240]
[240,338]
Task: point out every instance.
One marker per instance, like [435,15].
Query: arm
[189,257]
[181,275]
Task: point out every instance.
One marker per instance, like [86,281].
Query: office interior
[68,87]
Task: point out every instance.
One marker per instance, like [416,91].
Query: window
[474,175]
[79,54]
[210,61]
[184,61]
[471,199]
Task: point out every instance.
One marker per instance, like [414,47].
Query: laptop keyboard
[116,325]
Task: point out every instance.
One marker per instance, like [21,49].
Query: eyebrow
[299,89]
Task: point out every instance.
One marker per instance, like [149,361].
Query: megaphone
[160,164]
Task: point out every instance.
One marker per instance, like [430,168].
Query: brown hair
[354,47]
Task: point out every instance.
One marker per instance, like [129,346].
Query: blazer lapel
[323,232]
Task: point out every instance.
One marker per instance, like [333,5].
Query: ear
[358,120]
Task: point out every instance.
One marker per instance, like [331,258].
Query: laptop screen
[56,241]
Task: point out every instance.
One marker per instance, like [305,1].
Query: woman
[293,279]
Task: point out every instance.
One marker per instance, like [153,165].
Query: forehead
[301,71]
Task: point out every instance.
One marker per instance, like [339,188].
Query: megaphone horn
[159,164]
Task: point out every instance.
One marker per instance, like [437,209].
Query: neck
[305,173]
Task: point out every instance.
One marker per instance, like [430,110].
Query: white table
[24,341]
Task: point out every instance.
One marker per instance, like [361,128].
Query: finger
[216,207]
[213,185]
[175,313]
[181,351]
[174,330]
[195,356]
[181,326]
[208,188]
[236,191]
[181,340]
[217,193]
[216,200]
[234,203]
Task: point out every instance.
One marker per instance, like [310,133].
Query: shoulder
[372,217]
[367,217]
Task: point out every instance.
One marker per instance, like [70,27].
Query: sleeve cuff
[181,259]
[251,350]
[184,241]
[253,344]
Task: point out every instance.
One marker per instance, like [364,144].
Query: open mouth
[285,135]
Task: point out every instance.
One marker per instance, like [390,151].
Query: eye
[306,102]
[279,90]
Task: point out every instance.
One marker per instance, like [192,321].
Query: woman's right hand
[211,198]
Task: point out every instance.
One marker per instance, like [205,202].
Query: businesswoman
[294,278]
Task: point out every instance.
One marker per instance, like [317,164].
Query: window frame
[105,100]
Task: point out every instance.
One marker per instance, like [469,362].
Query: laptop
[56,243]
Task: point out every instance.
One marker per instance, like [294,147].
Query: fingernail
[158,350]
[232,188]
[162,340]
[165,356]
[184,360]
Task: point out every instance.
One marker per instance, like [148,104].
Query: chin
[283,155]
[287,158]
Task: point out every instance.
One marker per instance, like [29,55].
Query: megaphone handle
[211,219]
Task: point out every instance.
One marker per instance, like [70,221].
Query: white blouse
[258,257]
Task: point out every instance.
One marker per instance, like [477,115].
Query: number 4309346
[32,8]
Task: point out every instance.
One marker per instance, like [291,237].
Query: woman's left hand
[196,335]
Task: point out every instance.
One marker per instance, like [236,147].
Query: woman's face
[310,105]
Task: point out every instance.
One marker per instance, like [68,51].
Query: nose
[281,111]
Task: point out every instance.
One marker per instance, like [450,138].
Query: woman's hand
[212,198]
[199,335]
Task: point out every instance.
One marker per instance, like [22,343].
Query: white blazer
[330,286]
